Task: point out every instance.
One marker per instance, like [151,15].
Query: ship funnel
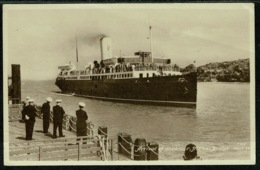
[106,48]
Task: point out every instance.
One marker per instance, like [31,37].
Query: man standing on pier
[81,120]
[29,113]
[46,109]
[25,103]
[58,113]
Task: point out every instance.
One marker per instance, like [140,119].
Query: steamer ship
[141,78]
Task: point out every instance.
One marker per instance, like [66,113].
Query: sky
[42,37]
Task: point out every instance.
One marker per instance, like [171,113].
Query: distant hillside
[228,71]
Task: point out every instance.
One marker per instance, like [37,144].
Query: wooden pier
[95,146]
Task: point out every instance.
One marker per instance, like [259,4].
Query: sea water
[219,126]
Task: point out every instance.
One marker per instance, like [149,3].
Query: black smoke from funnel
[91,39]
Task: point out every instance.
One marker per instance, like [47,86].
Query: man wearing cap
[58,113]
[30,112]
[81,120]
[46,109]
[25,103]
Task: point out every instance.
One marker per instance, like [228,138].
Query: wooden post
[112,149]
[79,150]
[40,150]
[152,151]
[140,149]
[125,140]
[16,84]
[102,130]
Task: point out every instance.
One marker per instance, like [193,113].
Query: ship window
[123,75]
[147,75]
[153,74]
[141,75]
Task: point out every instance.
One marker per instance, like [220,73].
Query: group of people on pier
[29,113]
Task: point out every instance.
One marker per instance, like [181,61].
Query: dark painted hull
[165,90]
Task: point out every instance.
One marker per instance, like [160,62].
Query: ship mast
[77,54]
[151,45]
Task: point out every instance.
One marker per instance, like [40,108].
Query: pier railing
[95,147]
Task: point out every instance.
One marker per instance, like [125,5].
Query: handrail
[62,149]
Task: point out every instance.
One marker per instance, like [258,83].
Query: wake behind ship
[140,78]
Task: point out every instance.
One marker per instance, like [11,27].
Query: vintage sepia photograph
[129,84]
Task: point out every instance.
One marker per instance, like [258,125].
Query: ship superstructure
[141,78]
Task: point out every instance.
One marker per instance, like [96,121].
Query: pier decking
[61,148]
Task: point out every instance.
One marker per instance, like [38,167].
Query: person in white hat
[46,110]
[30,113]
[58,113]
[25,103]
[81,120]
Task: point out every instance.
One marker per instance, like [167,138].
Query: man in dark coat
[29,112]
[46,109]
[58,113]
[81,120]
[25,103]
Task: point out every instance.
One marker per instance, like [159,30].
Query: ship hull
[179,91]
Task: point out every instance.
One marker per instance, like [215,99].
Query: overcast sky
[41,38]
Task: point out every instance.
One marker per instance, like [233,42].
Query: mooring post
[140,149]
[125,144]
[152,151]
[102,130]
[16,84]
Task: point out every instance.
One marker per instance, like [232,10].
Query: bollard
[16,84]
[152,151]
[140,149]
[126,141]
[102,130]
